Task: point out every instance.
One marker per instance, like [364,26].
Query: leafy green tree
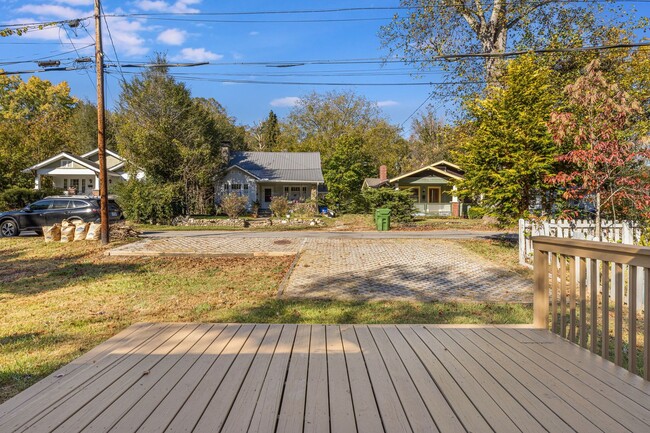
[82,127]
[265,136]
[173,137]
[320,119]
[510,152]
[431,140]
[431,28]
[34,119]
[345,171]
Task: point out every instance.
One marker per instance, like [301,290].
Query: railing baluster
[572,298]
[563,296]
[583,302]
[631,320]
[605,310]
[600,272]
[540,295]
[646,324]
[554,321]
[593,286]
[618,314]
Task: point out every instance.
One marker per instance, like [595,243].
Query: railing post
[540,296]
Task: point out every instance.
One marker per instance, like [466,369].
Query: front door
[268,195]
[434,195]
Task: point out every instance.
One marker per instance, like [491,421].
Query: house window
[286,191]
[434,195]
[65,183]
[246,187]
[83,185]
[66,163]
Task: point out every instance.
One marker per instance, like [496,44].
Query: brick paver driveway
[362,269]
[401,269]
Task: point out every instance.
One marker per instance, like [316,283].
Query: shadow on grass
[34,276]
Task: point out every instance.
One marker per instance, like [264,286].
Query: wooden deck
[315,378]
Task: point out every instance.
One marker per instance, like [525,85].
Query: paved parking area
[401,269]
[210,246]
[361,269]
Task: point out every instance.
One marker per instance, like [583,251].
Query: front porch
[338,378]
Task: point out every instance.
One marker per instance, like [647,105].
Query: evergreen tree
[510,152]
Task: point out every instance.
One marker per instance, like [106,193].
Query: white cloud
[387,103]
[172,37]
[76,2]
[253,33]
[196,55]
[287,101]
[180,6]
[55,11]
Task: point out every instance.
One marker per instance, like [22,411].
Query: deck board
[331,378]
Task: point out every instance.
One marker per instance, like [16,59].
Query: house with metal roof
[79,174]
[260,176]
[431,186]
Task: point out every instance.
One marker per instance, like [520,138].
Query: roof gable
[65,155]
[438,168]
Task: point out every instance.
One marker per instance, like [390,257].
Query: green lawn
[57,301]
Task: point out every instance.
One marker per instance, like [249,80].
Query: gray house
[263,175]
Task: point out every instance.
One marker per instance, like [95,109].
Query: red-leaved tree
[604,163]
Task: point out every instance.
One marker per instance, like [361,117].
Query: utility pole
[101,125]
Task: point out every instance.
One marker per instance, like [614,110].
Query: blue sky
[137,39]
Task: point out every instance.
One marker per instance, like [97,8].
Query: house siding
[236,176]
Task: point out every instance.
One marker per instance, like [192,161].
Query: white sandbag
[67,233]
[52,233]
[94,232]
[80,231]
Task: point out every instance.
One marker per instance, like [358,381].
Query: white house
[80,173]
[263,175]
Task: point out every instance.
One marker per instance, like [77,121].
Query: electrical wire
[416,110]
[110,36]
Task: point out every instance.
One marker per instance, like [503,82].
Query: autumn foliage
[601,161]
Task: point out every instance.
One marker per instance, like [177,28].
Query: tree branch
[527,12]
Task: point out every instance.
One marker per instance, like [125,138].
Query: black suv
[51,210]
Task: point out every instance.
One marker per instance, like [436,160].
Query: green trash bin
[382,219]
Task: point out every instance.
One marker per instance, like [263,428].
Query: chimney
[383,175]
[225,151]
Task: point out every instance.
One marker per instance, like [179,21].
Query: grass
[57,301]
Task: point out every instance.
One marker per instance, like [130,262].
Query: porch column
[455,205]
[37,182]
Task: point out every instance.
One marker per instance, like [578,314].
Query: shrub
[475,212]
[305,209]
[17,197]
[234,205]
[145,201]
[279,206]
[400,202]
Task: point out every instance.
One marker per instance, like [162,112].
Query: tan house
[431,187]
[79,174]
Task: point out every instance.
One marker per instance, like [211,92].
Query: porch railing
[574,284]
[442,209]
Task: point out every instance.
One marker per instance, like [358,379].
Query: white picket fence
[611,231]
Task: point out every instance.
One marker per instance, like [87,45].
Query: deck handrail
[570,275]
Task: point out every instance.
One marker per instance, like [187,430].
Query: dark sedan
[52,210]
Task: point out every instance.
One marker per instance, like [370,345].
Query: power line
[416,110]
[92,83]
[449,57]
[45,57]
[110,36]
[224,21]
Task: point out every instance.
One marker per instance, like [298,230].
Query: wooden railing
[586,292]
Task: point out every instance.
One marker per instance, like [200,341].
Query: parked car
[55,209]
